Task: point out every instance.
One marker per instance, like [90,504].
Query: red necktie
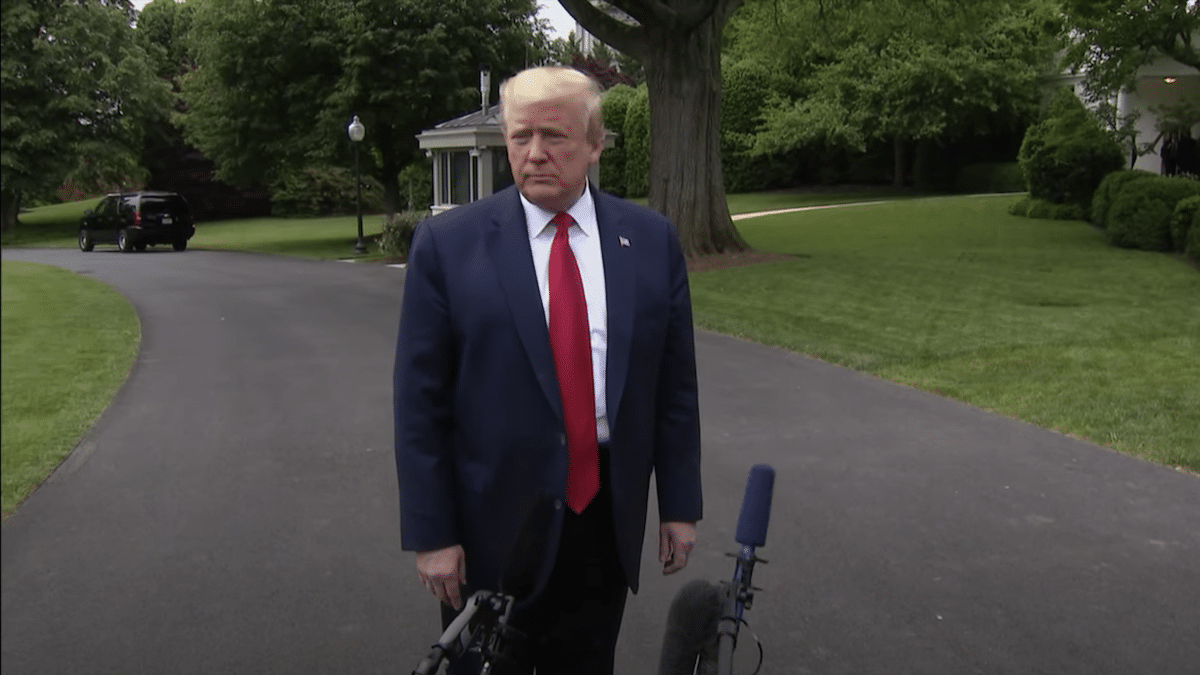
[570,341]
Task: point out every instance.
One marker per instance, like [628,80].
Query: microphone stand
[484,620]
[739,597]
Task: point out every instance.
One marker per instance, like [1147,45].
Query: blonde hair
[552,82]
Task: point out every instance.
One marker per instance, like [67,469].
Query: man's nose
[537,149]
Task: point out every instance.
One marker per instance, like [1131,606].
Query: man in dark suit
[546,347]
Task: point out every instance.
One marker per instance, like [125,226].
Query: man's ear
[594,150]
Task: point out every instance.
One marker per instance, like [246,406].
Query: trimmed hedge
[1109,188]
[1031,207]
[637,144]
[1065,156]
[1140,216]
[1183,222]
[745,86]
[988,177]
[612,160]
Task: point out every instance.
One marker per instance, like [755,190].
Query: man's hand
[443,572]
[675,542]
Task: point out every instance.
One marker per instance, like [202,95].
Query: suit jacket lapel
[620,287]
[508,244]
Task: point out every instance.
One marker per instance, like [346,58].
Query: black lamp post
[356,131]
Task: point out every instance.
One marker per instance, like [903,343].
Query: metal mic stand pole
[739,597]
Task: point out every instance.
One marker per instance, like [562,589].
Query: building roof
[477,118]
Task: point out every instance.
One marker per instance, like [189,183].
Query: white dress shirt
[584,238]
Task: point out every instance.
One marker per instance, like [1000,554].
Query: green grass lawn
[68,343]
[1040,320]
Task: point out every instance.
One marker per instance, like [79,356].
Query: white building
[1165,80]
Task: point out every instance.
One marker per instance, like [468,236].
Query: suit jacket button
[558,504]
[562,439]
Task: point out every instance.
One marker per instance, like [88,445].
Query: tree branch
[629,40]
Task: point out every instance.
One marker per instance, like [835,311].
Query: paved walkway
[234,511]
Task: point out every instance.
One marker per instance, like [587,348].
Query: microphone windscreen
[756,506]
[691,628]
[528,552]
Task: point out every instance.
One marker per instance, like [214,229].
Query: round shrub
[1140,216]
[398,229]
[1107,192]
[1187,213]
[1065,156]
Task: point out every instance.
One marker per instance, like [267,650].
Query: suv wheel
[179,245]
[85,241]
[123,242]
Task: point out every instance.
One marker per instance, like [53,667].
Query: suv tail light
[137,218]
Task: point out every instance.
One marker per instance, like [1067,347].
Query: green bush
[1108,190]
[1140,216]
[416,185]
[988,177]
[745,86]
[1065,156]
[1192,247]
[1031,207]
[323,191]
[1187,213]
[637,144]
[612,161]
[398,231]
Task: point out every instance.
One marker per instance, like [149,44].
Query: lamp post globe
[356,131]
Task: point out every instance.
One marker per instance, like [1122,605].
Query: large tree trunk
[683,74]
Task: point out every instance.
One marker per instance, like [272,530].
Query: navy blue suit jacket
[479,423]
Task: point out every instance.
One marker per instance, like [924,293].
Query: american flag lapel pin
[624,242]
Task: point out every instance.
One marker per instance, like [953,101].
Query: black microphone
[751,533]
[483,623]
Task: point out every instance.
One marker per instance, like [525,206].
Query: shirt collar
[583,211]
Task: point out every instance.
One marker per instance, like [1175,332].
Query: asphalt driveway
[234,511]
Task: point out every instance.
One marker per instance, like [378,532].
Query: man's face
[549,152]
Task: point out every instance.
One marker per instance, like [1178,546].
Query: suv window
[108,207]
[172,204]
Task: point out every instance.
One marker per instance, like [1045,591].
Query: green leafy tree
[891,70]
[77,90]
[678,43]
[1111,39]
[278,81]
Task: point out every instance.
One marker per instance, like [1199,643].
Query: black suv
[134,220]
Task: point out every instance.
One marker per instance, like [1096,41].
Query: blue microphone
[751,533]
